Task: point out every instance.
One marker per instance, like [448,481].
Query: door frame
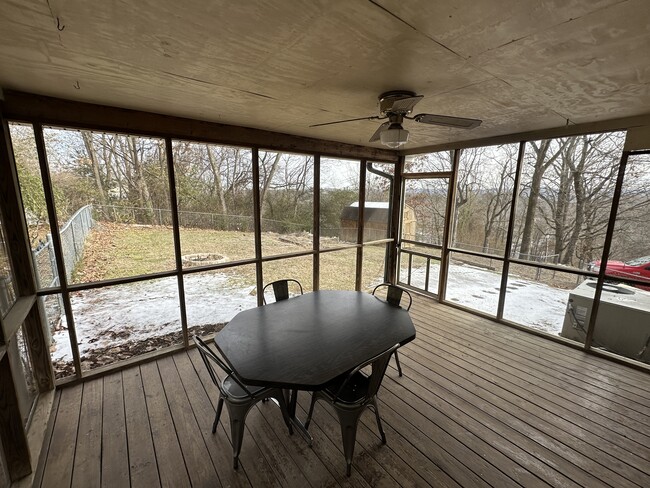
[444,253]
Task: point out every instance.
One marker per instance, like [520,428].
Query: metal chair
[350,394]
[280,289]
[238,397]
[394,297]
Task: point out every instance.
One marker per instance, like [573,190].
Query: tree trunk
[268,179]
[541,165]
[144,196]
[92,154]
[216,173]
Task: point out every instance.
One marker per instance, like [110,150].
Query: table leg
[293,400]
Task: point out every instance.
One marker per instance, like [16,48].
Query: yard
[118,322]
[130,319]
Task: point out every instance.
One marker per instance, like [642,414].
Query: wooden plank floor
[480,404]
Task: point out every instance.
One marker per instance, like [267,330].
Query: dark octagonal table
[306,341]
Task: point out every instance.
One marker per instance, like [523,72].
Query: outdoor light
[395,136]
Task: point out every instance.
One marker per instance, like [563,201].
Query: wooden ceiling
[520,65]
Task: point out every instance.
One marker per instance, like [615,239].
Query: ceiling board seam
[572,19]
[466,59]
[416,30]
[198,80]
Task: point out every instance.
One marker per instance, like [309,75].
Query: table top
[306,341]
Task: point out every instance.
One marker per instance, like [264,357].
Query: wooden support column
[316,225]
[447,237]
[396,206]
[12,434]
[510,235]
[173,202]
[257,222]
[361,224]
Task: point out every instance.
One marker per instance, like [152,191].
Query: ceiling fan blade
[375,137]
[373,117]
[404,105]
[444,120]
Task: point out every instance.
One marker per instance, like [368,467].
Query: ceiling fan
[396,106]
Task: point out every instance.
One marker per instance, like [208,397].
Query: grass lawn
[120,250]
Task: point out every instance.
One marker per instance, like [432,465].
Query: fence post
[50,255]
[74,242]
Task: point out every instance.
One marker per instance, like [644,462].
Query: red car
[635,269]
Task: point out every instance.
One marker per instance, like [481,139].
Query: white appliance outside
[622,323]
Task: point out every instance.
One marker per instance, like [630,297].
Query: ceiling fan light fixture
[394,137]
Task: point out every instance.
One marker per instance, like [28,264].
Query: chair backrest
[280,289]
[379,364]
[210,359]
[394,294]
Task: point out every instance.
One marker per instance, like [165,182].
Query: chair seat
[237,392]
[354,391]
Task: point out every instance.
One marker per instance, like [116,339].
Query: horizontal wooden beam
[32,108]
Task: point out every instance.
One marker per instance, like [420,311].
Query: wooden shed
[376,217]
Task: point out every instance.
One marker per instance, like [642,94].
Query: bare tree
[544,153]
[500,191]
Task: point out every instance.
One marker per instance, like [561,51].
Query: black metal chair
[394,297]
[350,394]
[280,289]
[238,397]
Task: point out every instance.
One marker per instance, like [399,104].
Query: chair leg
[378,418]
[218,415]
[237,423]
[399,367]
[349,421]
[314,397]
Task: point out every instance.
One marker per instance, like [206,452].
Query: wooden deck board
[87,461]
[61,452]
[143,467]
[115,451]
[480,404]
[169,455]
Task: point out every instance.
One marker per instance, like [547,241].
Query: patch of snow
[138,311]
[528,302]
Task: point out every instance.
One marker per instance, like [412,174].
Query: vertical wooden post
[12,433]
[446,236]
[361,224]
[609,235]
[511,230]
[257,222]
[58,247]
[316,225]
[173,205]
[396,206]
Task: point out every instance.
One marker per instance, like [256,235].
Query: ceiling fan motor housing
[389,102]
